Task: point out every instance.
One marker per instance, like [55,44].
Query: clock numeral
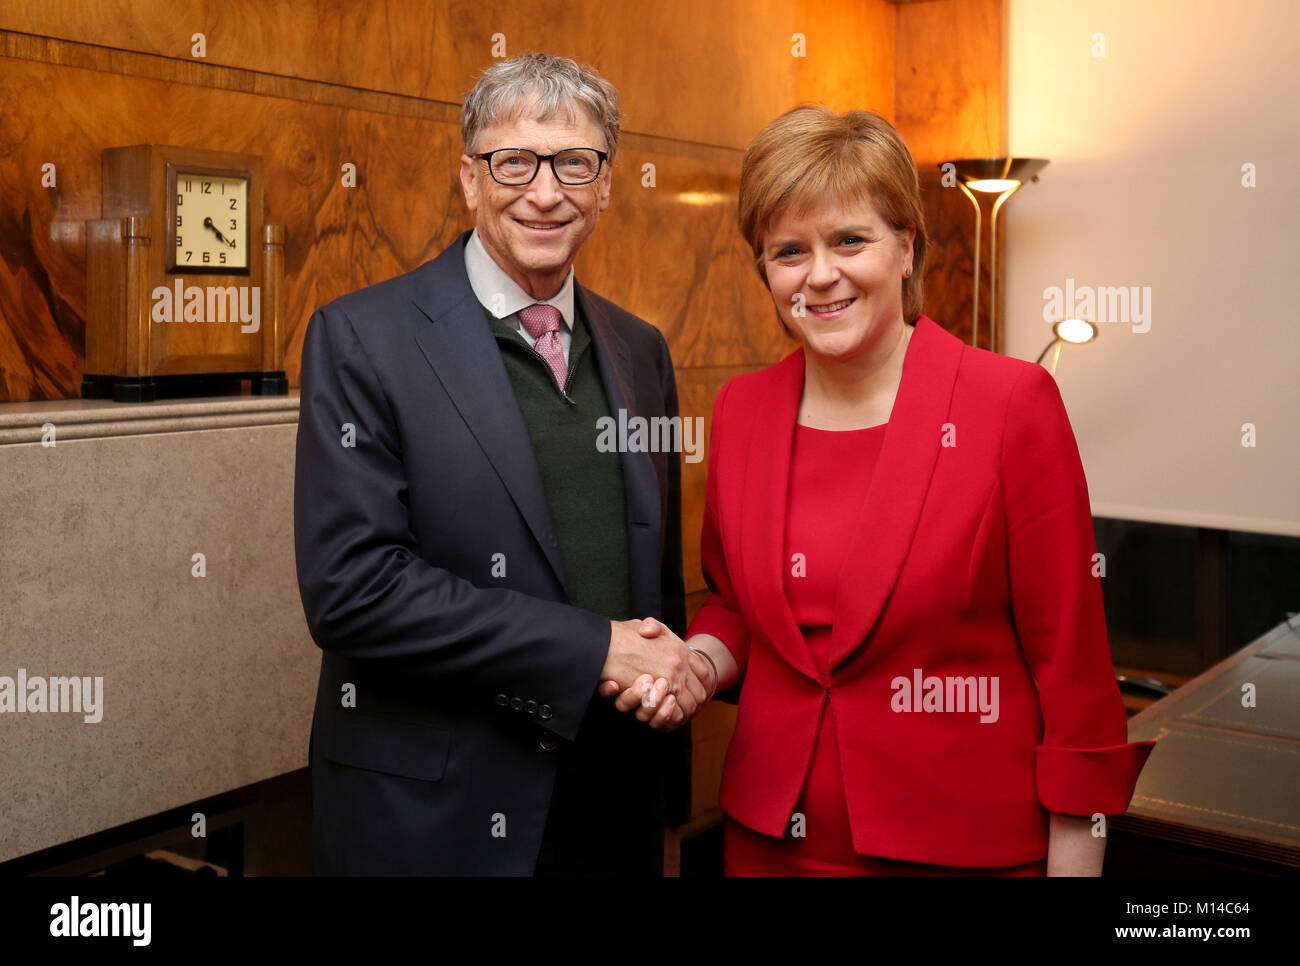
[223,187]
[180,199]
[207,187]
[189,185]
[232,204]
[234,224]
[188,256]
[178,241]
[223,258]
[178,221]
[207,257]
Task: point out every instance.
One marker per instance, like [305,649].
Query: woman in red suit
[899,548]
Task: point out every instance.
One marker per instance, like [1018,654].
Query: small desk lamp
[1074,331]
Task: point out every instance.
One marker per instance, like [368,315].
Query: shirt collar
[500,294]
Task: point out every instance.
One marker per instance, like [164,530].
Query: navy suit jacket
[447,694]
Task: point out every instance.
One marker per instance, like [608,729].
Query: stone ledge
[95,418]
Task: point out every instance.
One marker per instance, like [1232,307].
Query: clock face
[210,222]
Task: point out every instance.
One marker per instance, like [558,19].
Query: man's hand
[665,701]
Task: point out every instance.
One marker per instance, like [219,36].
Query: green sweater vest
[584,487]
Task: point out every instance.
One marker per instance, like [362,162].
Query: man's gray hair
[548,87]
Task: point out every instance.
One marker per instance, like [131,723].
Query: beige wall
[1144,189]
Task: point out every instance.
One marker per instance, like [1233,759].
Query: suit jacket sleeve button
[530,707]
[516,703]
[503,700]
[544,712]
[547,743]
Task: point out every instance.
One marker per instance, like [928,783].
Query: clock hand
[207,223]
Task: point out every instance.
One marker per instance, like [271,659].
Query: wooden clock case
[133,358]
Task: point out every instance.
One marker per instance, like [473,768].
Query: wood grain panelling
[696,390]
[711,732]
[694,276]
[949,65]
[949,261]
[646,255]
[709,72]
[338,239]
[950,103]
[310,86]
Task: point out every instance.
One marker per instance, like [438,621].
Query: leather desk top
[1225,775]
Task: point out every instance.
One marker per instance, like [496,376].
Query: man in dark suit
[470,560]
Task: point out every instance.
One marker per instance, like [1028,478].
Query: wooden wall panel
[338,238]
[711,732]
[694,276]
[708,72]
[950,103]
[949,263]
[696,390]
[694,280]
[949,69]
[647,253]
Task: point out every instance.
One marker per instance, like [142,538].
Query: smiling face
[534,231]
[847,263]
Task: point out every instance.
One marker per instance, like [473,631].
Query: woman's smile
[831,310]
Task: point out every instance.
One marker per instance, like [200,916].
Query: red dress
[829,474]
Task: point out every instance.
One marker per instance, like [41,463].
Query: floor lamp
[995,176]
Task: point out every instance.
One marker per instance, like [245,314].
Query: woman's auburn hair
[810,155]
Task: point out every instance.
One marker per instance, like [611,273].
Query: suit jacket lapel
[886,524]
[463,353]
[640,480]
[763,512]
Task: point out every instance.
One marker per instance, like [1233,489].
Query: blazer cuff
[727,626]
[1087,781]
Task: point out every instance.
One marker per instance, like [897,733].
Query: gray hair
[550,86]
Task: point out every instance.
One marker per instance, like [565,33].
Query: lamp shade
[1075,331]
[998,174]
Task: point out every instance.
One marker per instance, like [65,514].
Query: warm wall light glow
[702,197]
[992,185]
[1076,331]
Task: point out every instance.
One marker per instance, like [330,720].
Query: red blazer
[971,556]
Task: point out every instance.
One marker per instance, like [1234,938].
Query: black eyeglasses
[519,166]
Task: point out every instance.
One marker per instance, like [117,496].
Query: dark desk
[1221,792]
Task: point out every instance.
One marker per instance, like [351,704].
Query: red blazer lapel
[771,425]
[891,508]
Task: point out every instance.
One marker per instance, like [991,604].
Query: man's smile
[542,226]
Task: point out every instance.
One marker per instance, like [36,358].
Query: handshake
[649,668]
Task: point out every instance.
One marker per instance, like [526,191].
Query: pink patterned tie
[543,324]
